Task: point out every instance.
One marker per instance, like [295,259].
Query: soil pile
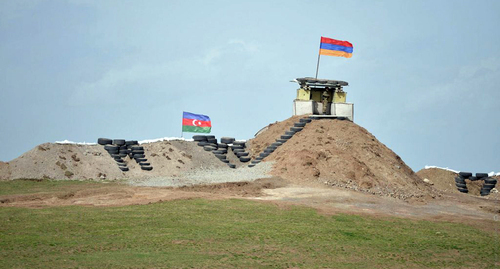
[444,181]
[340,153]
[70,161]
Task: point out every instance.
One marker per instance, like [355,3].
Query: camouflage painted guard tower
[322,98]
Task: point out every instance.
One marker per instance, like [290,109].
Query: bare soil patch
[343,154]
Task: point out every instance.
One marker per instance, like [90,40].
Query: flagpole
[317,66]
[182,131]
[319,55]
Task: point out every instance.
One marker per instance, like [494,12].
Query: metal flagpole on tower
[319,55]
[317,66]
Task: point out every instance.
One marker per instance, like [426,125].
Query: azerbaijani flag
[195,123]
[333,47]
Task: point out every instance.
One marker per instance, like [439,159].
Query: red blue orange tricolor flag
[333,47]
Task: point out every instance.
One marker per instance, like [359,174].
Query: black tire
[202,143]
[224,160]
[488,186]
[290,133]
[137,148]
[134,152]
[465,174]
[463,190]
[135,156]
[139,160]
[286,137]
[232,166]
[147,168]
[259,158]
[210,137]
[242,154]
[236,147]
[227,140]
[256,161]
[121,164]
[490,180]
[199,138]
[473,178]
[213,145]
[209,148]
[481,175]
[123,155]
[244,159]
[296,129]
[485,193]
[123,151]
[212,141]
[144,164]
[459,185]
[223,145]
[220,156]
[264,155]
[123,168]
[282,141]
[276,144]
[131,142]
[306,120]
[238,150]
[119,142]
[251,165]
[111,147]
[119,160]
[217,151]
[299,124]
[240,143]
[104,141]
[115,156]
[460,180]
[223,151]
[113,152]
[268,151]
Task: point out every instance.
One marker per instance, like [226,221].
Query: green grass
[27,186]
[229,234]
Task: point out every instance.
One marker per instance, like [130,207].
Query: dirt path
[460,208]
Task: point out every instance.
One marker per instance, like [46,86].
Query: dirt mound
[339,153]
[4,171]
[444,181]
[70,161]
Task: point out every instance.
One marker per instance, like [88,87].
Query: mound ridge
[444,181]
[339,153]
[71,161]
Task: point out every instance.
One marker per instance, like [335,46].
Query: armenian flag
[196,123]
[333,47]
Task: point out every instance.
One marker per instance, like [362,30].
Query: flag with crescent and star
[195,123]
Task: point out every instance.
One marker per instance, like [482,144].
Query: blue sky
[424,76]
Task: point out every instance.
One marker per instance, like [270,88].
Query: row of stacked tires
[119,149]
[297,127]
[220,150]
[489,183]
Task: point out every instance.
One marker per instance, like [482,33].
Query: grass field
[229,234]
